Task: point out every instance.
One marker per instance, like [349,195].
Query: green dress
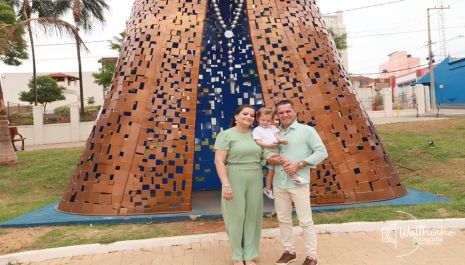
[243,214]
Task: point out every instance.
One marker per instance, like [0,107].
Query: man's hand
[274,160]
[291,169]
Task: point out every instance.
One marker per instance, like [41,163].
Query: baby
[267,136]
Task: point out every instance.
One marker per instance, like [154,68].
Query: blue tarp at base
[205,205]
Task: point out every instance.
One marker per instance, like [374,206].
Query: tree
[105,74]
[117,42]
[84,12]
[47,91]
[340,40]
[12,44]
[12,51]
[44,14]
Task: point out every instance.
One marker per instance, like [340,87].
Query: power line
[393,71]
[69,43]
[398,33]
[68,58]
[349,36]
[424,46]
[365,7]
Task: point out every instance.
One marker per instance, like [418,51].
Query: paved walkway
[361,248]
[434,241]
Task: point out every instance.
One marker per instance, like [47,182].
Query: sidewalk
[353,246]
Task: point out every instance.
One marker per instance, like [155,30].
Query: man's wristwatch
[301,164]
[226,185]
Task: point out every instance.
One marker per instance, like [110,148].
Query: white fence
[40,133]
[407,102]
[75,131]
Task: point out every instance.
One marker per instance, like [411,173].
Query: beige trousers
[283,199]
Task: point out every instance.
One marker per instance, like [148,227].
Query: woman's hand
[227,193]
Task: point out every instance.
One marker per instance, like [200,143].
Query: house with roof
[14,83]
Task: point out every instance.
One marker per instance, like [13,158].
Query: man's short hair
[284,102]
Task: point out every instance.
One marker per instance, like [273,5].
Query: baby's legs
[269,178]
[296,178]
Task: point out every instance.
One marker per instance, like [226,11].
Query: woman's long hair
[237,111]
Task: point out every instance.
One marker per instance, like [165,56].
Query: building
[336,23]
[400,63]
[14,83]
[449,81]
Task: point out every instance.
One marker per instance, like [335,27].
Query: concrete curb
[90,249]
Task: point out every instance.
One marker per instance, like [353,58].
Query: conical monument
[185,67]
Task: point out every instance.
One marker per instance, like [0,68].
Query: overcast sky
[373,34]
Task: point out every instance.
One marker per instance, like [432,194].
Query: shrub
[17,118]
[62,111]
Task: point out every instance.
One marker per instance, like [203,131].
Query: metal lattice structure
[171,95]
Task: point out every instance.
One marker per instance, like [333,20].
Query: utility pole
[442,30]
[430,57]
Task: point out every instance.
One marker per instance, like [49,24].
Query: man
[304,150]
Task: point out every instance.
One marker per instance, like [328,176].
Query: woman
[238,164]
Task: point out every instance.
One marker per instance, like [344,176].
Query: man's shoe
[309,261]
[286,258]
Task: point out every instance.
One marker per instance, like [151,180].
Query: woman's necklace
[241,130]
[228,31]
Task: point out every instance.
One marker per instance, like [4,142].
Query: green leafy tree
[12,51]
[105,75]
[12,44]
[47,91]
[45,14]
[340,40]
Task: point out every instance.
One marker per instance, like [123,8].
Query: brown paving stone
[343,249]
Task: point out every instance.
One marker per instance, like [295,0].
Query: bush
[62,111]
[17,118]
[91,109]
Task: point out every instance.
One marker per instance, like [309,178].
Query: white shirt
[265,134]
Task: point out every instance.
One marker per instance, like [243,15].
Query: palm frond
[59,27]
[90,11]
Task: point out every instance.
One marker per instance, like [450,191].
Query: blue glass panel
[217,97]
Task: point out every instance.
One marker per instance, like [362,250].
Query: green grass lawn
[39,179]
[42,176]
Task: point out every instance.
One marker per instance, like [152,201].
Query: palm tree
[46,15]
[84,13]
